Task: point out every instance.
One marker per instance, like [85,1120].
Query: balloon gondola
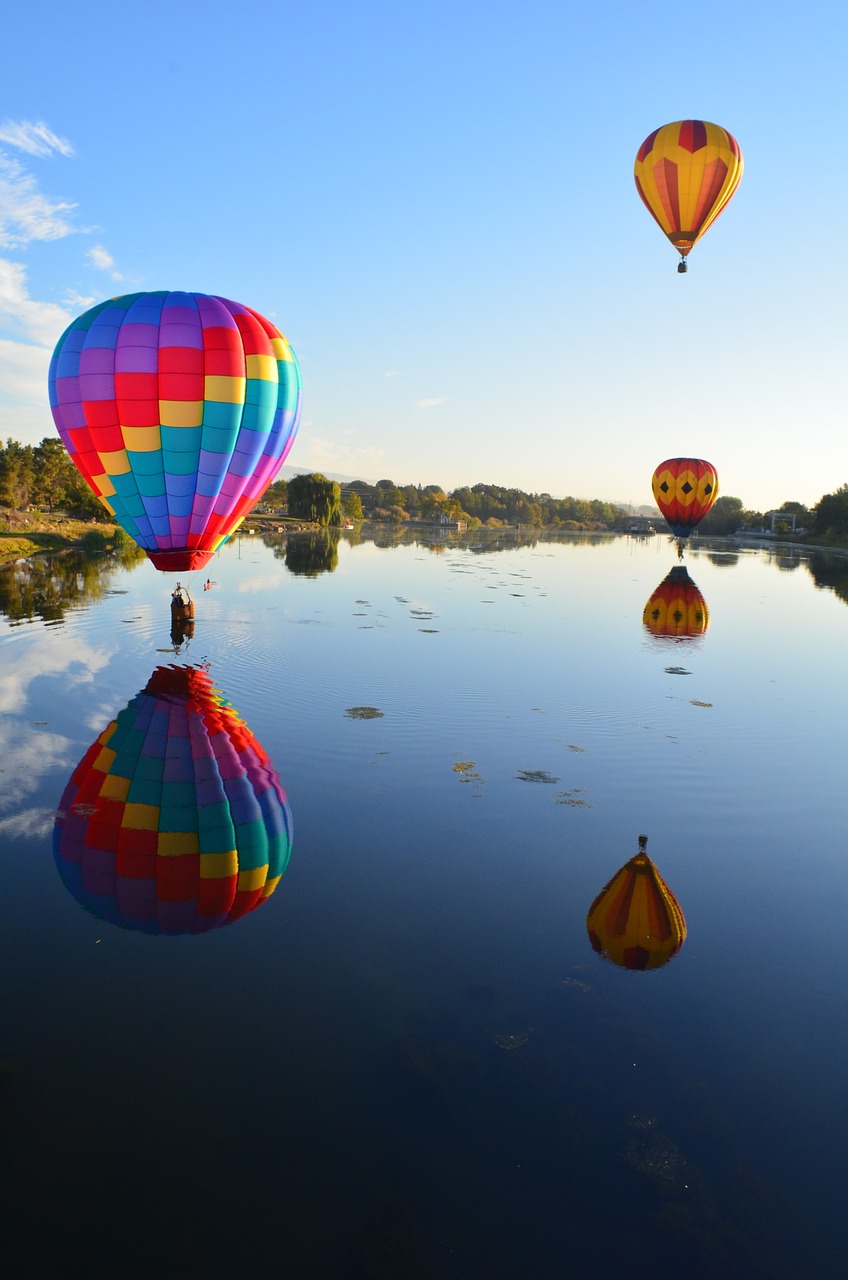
[636,921]
[178,409]
[174,821]
[182,617]
[686,173]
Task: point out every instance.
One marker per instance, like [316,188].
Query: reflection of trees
[829,572]
[309,554]
[46,586]
[723,559]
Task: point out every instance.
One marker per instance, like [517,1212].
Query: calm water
[408,1060]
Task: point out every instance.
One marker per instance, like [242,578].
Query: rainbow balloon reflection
[174,821]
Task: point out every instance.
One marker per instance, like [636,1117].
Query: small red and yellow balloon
[684,490]
[636,921]
[686,174]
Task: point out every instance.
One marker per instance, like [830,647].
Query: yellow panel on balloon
[219,866]
[176,844]
[181,413]
[142,439]
[141,817]
[264,367]
[224,390]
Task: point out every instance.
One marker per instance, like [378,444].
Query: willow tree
[315,498]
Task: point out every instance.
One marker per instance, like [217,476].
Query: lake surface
[408,1060]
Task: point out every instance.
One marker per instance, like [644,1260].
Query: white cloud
[36,824]
[329,454]
[103,260]
[39,322]
[25,213]
[33,137]
[392,373]
[430,404]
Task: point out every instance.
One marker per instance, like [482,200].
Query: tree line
[43,476]
[324,501]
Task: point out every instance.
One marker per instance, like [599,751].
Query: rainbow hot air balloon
[178,409]
[684,490]
[636,921]
[676,609]
[174,821]
[686,173]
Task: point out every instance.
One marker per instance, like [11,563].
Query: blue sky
[436,205]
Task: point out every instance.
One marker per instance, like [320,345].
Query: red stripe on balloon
[693,135]
[665,176]
[714,175]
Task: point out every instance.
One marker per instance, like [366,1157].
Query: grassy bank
[26,533]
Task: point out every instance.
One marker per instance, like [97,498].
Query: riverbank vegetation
[48,506]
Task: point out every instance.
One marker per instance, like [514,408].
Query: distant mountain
[644,510]
[287,472]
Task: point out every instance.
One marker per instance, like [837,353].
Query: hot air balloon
[684,490]
[178,409]
[636,921]
[686,173]
[676,609]
[174,821]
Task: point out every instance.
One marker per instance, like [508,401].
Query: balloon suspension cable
[682,266]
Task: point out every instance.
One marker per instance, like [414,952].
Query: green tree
[830,514]
[315,498]
[16,474]
[353,506]
[725,516]
[277,494]
[53,471]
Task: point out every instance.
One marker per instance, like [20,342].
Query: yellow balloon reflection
[676,609]
[636,921]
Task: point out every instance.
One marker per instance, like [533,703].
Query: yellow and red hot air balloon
[676,609]
[686,173]
[684,490]
[636,921]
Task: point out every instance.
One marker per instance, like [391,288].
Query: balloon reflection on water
[636,921]
[174,821]
[676,609]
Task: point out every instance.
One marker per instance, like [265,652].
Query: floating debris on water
[642,1122]
[696,703]
[536,775]
[574,984]
[574,798]
[363,713]
[573,747]
[467,771]
[514,1041]
[677,671]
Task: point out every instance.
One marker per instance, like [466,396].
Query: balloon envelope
[174,821]
[676,608]
[178,409]
[636,921]
[684,490]
[686,173]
